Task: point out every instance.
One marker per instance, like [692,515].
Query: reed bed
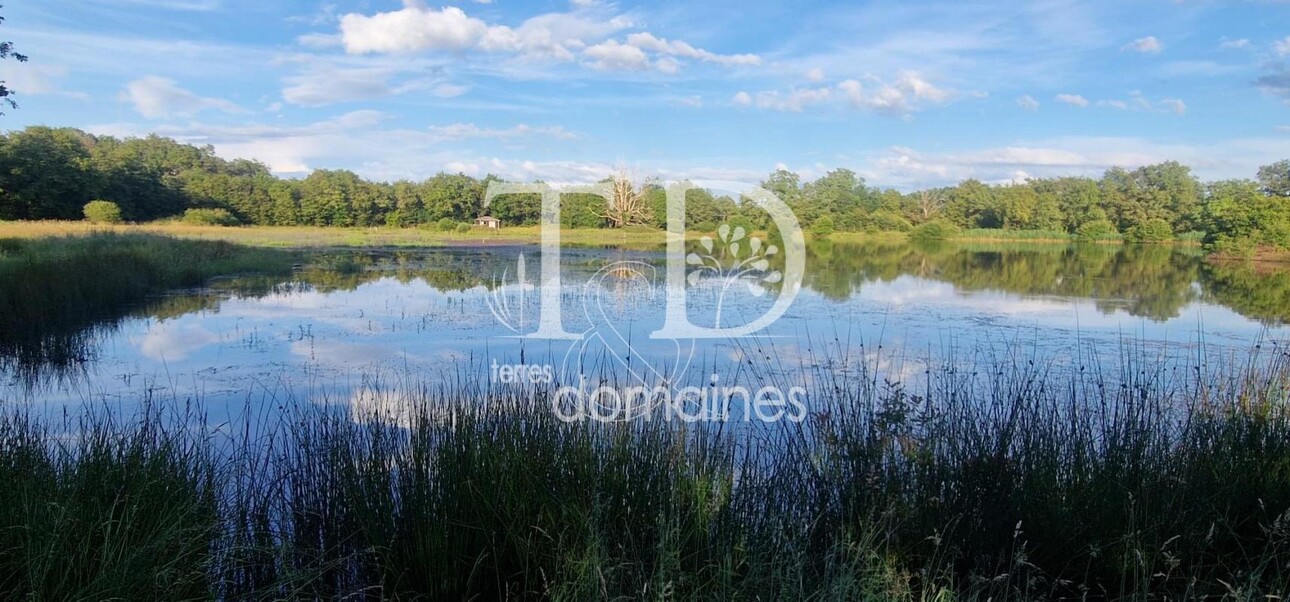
[1008,480]
[54,291]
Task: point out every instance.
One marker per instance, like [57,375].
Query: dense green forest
[53,173]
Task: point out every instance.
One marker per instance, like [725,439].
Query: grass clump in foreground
[122,513]
[53,289]
[1003,483]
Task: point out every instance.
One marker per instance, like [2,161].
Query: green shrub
[210,217]
[1242,247]
[740,221]
[773,235]
[934,230]
[704,227]
[886,221]
[823,227]
[446,224]
[1097,230]
[102,212]
[463,228]
[1152,230]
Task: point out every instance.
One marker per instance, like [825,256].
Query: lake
[354,324]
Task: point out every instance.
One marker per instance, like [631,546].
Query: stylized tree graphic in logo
[499,301]
[735,261]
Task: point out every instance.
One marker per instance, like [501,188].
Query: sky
[907,95]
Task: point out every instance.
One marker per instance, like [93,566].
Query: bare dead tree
[627,206]
[930,203]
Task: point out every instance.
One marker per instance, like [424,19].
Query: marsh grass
[109,512]
[55,291]
[1008,480]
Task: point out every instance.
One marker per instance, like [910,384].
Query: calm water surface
[367,320]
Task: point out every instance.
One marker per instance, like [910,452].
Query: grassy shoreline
[305,237]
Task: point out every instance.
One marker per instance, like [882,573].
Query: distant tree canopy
[51,173]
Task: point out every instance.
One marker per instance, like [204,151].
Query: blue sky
[905,94]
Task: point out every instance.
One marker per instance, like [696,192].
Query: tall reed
[1005,479]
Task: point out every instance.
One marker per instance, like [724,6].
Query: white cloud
[157,97]
[1147,45]
[38,79]
[325,81]
[908,168]
[613,56]
[901,97]
[793,100]
[1227,44]
[1282,47]
[912,83]
[461,167]
[551,36]
[909,92]
[1072,99]
[413,29]
[668,64]
[171,340]
[815,75]
[1138,102]
[558,36]
[647,41]
[1028,103]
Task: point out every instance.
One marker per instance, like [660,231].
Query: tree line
[1151,203]
[53,173]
